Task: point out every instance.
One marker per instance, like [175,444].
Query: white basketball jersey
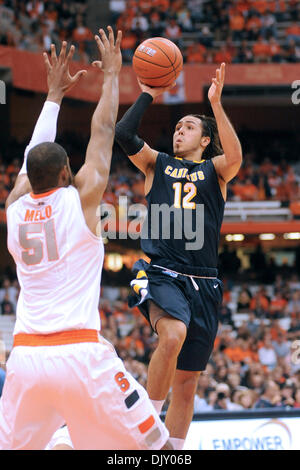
[59,263]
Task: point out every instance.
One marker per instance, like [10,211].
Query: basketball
[157,62]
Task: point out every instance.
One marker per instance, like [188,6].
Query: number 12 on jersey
[191,191]
[33,247]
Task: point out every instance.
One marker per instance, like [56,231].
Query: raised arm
[59,82]
[228,164]
[141,155]
[92,178]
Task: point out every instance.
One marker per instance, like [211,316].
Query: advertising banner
[28,71]
[245,434]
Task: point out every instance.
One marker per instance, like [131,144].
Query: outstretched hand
[59,78]
[110,51]
[215,90]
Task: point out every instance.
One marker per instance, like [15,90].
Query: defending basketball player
[179,292]
[60,369]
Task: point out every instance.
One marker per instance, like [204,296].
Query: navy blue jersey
[189,233]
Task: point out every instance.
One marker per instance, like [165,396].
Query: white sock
[177,443]
[158,404]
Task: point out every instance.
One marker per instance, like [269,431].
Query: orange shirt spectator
[276,6]
[293,30]
[259,300]
[278,304]
[274,48]
[81,32]
[246,192]
[253,23]
[236,22]
[261,49]
[243,6]
[295,208]
[124,22]
[132,342]
[237,353]
[145,6]
[161,5]
[196,54]
[129,41]
[223,56]
[260,5]
[276,330]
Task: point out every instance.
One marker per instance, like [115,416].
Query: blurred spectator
[292,52]
[243,303]
[223,55]
[244,53]
[82,37]
[278,305]
[270,397]
[275,50]
[294,329]
[260,304]
[237,24]
[268,25]
[261,51]
[223,401]
[196,53]
[281,345]
[225,313]
[246,398]
[253,27]
[266,353]
[173,31]
[293,32]
[128,45]
[140,24]
[287,394]
[293,306]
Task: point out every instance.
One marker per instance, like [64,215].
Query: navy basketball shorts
[193,300]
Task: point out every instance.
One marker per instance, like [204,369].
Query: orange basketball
[157,62]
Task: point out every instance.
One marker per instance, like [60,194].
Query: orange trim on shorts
[37,196]
[56,339]
[146,425]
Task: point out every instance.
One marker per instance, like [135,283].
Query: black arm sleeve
[127,127]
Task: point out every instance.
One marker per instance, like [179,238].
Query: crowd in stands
[33,25]
[254,182]
[256,358]
[233,31]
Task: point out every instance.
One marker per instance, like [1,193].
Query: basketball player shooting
[60,369]
[179,292]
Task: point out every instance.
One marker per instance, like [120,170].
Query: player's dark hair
[44,163]
[210,129]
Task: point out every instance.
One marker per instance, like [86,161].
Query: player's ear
[205,141]
[63,177]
